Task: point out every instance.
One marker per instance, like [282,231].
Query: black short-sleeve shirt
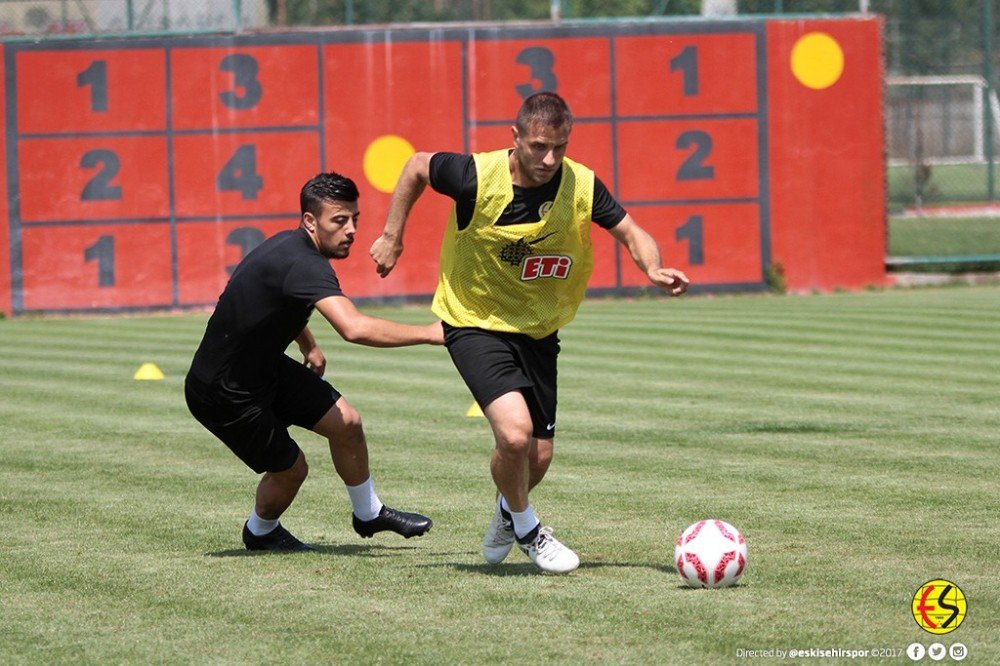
[263,308]
[454,175]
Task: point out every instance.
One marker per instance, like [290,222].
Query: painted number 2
[541,61]
[100,187]
[694,167]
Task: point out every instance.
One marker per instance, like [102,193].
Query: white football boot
[499,537]
[549,553]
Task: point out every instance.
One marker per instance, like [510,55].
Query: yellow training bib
[521,278]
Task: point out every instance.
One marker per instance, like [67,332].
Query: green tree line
[306,12]
[922,36]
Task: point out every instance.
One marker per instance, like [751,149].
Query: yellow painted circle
[939,606]
[384,160]
[817,60]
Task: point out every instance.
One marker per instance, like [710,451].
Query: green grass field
[944,237]
[852,437]
[960,183]
[944,244]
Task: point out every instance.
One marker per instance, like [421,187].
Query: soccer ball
[711,553]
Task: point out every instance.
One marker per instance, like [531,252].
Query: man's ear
[514,134]
[308,222]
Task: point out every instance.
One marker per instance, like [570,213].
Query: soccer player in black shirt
[245,390]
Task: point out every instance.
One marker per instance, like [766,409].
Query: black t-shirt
[262,310]
[454,174]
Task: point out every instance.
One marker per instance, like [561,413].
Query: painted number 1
[686,62]
[691,231]
[103,252]
[95,76]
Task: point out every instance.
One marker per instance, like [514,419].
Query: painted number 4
[240,174]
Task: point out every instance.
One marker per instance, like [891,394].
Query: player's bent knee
[294,475]
[342,421]
[300,470]
[351,419]
[514,441]
[345,412]
[542,458]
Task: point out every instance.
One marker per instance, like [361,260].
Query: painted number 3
[247,89]
[541,61]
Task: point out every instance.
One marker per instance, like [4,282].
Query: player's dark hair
[326,187]
[546,108]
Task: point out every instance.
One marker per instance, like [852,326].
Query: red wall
[145,169]
[827,161]
[5,290]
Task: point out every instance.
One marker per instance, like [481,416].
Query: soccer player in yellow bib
[515,262]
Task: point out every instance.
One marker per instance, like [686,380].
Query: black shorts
[255,425]
[493,363]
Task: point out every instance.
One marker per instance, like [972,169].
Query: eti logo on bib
[545,266]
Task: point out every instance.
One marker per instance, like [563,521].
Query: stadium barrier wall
[827,156]
[139,172]
[5,221]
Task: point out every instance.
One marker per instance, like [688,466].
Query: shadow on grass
[529,569]
[347,550]
[684,586]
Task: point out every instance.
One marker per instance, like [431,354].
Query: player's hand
[669,280]
[314,360]
[436,331]
[385,252]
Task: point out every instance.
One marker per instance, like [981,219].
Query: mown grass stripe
[851,436]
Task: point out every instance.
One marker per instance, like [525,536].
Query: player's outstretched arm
[646,256]
[362,329]
[312,355]
[387,248]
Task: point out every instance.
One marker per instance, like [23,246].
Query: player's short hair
[546,108]
[326,187]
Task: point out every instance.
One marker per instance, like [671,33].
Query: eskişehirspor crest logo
[939,606]
[514,253]
[535,266]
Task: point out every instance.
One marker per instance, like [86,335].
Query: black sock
[530,536]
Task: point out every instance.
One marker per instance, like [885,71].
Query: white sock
[258,526]
[364,501]
[524,521]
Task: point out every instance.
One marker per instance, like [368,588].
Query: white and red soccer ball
[711,553]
